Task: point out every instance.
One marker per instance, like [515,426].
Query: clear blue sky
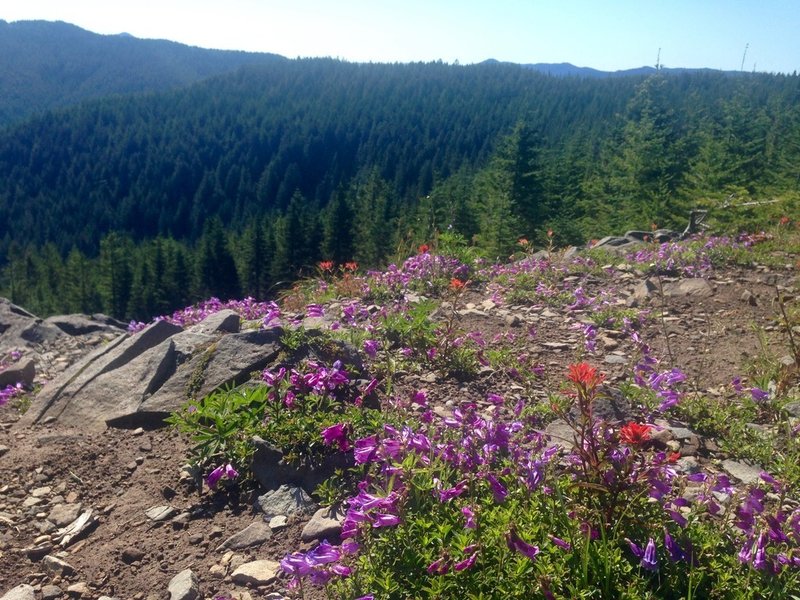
[604,34]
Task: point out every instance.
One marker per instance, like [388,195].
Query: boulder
[78,324]
[69,397]
[21,329]
[137,380]
[22,372]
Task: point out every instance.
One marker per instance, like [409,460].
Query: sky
[603,34]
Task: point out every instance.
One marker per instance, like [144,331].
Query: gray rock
[63,514]
[325,524]
[641,292]
[229,361]
[696,288]
[792,409]
[138,380]
[278,522]
[79,589]
[51,592]
[131,555]
[159,513]
[615,359]
[78,396]
[22,592]
[56,566]
[254,534]
[561,433]
[224,321]
[184,586]
[257,572]
[21,329]
[239,354]
[22,372]
[78,324]
[745,472]
[286,500]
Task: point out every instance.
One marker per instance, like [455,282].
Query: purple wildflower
[517,544]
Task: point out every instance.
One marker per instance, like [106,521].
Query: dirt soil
[121,473]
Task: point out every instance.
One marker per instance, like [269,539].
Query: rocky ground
[146,523]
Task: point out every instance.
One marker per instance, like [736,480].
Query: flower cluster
[249,309]
[10,392]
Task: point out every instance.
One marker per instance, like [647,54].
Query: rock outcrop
[139,379]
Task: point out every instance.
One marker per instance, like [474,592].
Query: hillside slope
[46,65]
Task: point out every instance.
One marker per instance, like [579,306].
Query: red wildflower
[456,284]
[673,457]
[585,375]
[634,434]
[424,248]
[523,242]
[326,265]
[350,266]
[784,220]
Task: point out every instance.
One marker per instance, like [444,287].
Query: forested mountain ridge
[236,184]
[46,65]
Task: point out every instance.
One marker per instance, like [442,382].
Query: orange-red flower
[549,233]
[634,434]
[585,375]
[350,266]
[785,220]
[456,284]
[523,242]
[423,248]
[326,265]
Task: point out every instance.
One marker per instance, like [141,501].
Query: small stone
[614,359]
[257,572]
[22,592]
[51,592]
[4,449]
[326,523]
[79,589]
[159,513]
[56,566]
[254,534]
[278,522]
[744,472]
[137,431]
[286,500]
[41,492]
[513,321]
[131,555]
[217,571]
[184,586]
[749,298]
[39,551]
[64,514]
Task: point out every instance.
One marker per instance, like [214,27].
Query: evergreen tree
[116,276]
[215,268]
[337,225]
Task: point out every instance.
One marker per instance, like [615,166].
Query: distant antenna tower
[746,46]
[658,60]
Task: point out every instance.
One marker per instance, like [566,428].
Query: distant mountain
[570,70]
[45,65]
